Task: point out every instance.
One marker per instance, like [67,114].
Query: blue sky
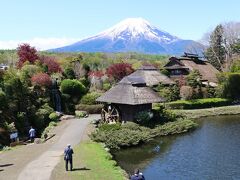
[46,22]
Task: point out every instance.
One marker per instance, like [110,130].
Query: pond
[210,152]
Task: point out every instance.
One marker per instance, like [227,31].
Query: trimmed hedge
[73,87]
[198,103]
[116,136]
[91,109]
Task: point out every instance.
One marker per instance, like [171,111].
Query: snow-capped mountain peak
[133,35]
[134,28]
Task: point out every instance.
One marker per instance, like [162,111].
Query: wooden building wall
[128,112]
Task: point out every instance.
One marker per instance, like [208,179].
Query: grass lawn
[90,161]
[197,113]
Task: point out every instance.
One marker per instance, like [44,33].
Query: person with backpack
[137,175]
[68,152]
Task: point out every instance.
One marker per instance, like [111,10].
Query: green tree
[194,81]
[236,47]
[69,73]
[231,87]
[215,53]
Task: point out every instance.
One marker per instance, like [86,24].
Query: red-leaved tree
[41,79]
[98,74]
[26,53]
[52,65]
[119,70]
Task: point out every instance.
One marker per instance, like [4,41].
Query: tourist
[68,156]
[137,175]
[32,134]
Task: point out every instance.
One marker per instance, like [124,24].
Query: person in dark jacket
[68,152]
[137,175]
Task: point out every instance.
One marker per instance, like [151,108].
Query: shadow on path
[5,165]
[1,170]
[81,169]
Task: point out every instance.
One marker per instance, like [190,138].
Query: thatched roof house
[152,76]
[182,66]
[132,91]
[130,96]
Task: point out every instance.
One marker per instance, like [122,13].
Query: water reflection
[210,152]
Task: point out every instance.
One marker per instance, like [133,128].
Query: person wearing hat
[137,175]
[68,152]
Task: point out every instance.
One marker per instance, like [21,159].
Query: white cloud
[39,43]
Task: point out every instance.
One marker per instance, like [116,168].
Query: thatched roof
[152,76]
[132,91]
[207,71]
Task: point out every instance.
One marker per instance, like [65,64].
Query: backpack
[66,156]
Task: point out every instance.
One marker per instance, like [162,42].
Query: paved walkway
[38,161]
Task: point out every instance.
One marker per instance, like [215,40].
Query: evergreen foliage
[215,53]
[74,88]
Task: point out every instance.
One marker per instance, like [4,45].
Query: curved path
[40,164]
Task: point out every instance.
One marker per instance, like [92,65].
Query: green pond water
[210,152]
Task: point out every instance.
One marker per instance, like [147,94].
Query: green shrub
[143,117]
[198,103]
[131,134]
[10,127]
[175,127]
[3,100]
[90,98]
[45,133]
[81,114]
[69,73]
[170,93]
[42,116]
[231,87]
[73,87]
[53,117]
[110,127]
[28,70]
[67,105]
[85,82]
[131,125]
[106,86]
[117,137]
[162,115]
[91,109]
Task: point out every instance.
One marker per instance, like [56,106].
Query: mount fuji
[134,35]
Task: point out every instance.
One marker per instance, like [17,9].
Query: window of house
[176,72]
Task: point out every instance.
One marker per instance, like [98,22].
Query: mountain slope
[136,35]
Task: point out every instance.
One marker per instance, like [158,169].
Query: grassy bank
[91,161]
[198,113]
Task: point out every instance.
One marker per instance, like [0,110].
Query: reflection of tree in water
[138,157]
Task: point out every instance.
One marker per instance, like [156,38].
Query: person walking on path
[32,134]
[137,175]
[68,157]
